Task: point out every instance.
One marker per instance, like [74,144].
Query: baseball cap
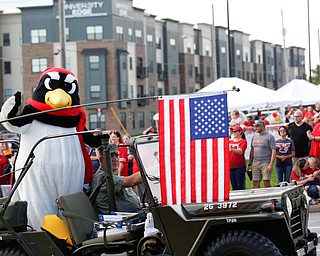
[113,149]
[237,128]
[259,123]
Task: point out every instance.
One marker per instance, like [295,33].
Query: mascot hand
[17,97]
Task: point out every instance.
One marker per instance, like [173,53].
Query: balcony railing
[142,72]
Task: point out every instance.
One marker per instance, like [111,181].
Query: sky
[261,19]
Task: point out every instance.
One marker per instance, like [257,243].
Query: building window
[151,115]
[173,44]
[38,36]
[124,90]
[173,69]
[224,73]
[158,43]
[94,62]
[119,33]
[238,52]
[39,64]
[132,120]
[123,119]
[97,121]
[141,119]
[151,67]
[150,40]
[188,48]
[190,69]
[95,91]
[190,90]
[131,91]
[130,63]
[174,90]
[223,51]
[151,90]
[138,36]
[7,93]
[160,91]
[67,35]
[259,58]
[130,36]
[7,67]
[208,72]
[94,32]
[207,51]
[6,39]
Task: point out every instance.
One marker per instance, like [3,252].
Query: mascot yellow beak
[58,98]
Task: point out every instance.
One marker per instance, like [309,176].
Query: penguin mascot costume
[61,165]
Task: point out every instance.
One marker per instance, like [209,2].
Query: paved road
[314,223]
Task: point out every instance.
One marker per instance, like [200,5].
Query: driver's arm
[132,180]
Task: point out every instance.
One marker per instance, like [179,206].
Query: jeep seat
[78,203]
[79,229]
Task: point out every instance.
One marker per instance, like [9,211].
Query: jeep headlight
[289,206]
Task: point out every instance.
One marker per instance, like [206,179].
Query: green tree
[316,75]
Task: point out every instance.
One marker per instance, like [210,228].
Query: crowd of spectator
[295,155]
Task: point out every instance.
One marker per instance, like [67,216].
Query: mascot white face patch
[58,95]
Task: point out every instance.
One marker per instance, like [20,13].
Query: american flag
[193,148]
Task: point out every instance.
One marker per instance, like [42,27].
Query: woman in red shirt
[237,147]
[116,138]
[308,174]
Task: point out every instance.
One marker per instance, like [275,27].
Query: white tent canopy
[251,96]
[308,93]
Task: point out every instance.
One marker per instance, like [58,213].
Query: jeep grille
[296,225]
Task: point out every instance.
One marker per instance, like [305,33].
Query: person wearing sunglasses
[262,155]
[285,150]
[298,133]
[237,148]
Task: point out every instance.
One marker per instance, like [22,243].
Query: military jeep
[271,221]
[267,221]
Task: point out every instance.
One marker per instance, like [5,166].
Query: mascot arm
[91,140]
[9,110]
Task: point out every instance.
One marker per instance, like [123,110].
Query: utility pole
[310,77]
[62,33]
[213,48]
[285,60]
[229,42]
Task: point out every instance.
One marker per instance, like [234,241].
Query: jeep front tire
[241,243]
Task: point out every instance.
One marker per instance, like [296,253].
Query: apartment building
[118,51]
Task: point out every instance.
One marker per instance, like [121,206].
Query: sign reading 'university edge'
[84,9]
[92,9]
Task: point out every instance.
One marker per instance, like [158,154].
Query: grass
[274,180]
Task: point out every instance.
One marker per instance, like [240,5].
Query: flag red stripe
[215,170]
[172,135]
[193,170]
[162,138]
[204,170]
[183,151]
[226,169]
